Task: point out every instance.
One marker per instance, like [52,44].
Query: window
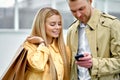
[108,6]
[21,13]
[6,14]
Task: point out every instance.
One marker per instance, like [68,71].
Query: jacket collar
[93,20]
[54,46]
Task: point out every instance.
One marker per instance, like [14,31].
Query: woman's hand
[34,39]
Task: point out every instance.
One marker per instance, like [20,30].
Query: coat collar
[92,22]
[94,19]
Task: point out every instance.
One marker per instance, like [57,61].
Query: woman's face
[53,26]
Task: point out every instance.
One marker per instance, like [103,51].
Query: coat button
[102,22]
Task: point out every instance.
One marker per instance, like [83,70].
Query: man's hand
[85,61]
[35,39]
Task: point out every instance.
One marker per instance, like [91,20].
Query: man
[99,43]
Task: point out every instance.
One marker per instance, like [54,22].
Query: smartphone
[78,56]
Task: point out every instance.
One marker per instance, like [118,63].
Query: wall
[9,43]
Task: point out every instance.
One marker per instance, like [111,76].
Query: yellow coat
[103,33]
[38,67]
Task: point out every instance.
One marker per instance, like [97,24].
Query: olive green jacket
[103,33]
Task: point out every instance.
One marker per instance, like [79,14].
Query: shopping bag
[16,69]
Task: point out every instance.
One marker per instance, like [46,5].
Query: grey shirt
[83,46]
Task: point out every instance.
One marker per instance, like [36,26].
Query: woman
[47,58]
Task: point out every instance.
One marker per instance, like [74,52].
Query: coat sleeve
[111,65]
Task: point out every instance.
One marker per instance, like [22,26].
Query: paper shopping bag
[16,70]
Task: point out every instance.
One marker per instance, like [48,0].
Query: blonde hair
[39,30]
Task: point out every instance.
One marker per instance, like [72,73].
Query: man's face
[81,9]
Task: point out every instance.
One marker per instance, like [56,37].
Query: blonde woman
[48,57]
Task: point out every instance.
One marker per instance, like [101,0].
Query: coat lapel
[91,32]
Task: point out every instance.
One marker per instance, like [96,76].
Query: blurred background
[16,17]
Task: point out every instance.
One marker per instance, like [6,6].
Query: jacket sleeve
[111,65]
[37,56]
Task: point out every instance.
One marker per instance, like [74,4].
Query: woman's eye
[52,24]
[59,24]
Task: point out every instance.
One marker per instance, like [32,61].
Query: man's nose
[78,14]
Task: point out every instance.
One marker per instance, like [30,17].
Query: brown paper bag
[16,70]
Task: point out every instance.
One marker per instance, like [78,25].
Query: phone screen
[78,56]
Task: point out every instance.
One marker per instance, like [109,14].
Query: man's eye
[81,8]
[73,11]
